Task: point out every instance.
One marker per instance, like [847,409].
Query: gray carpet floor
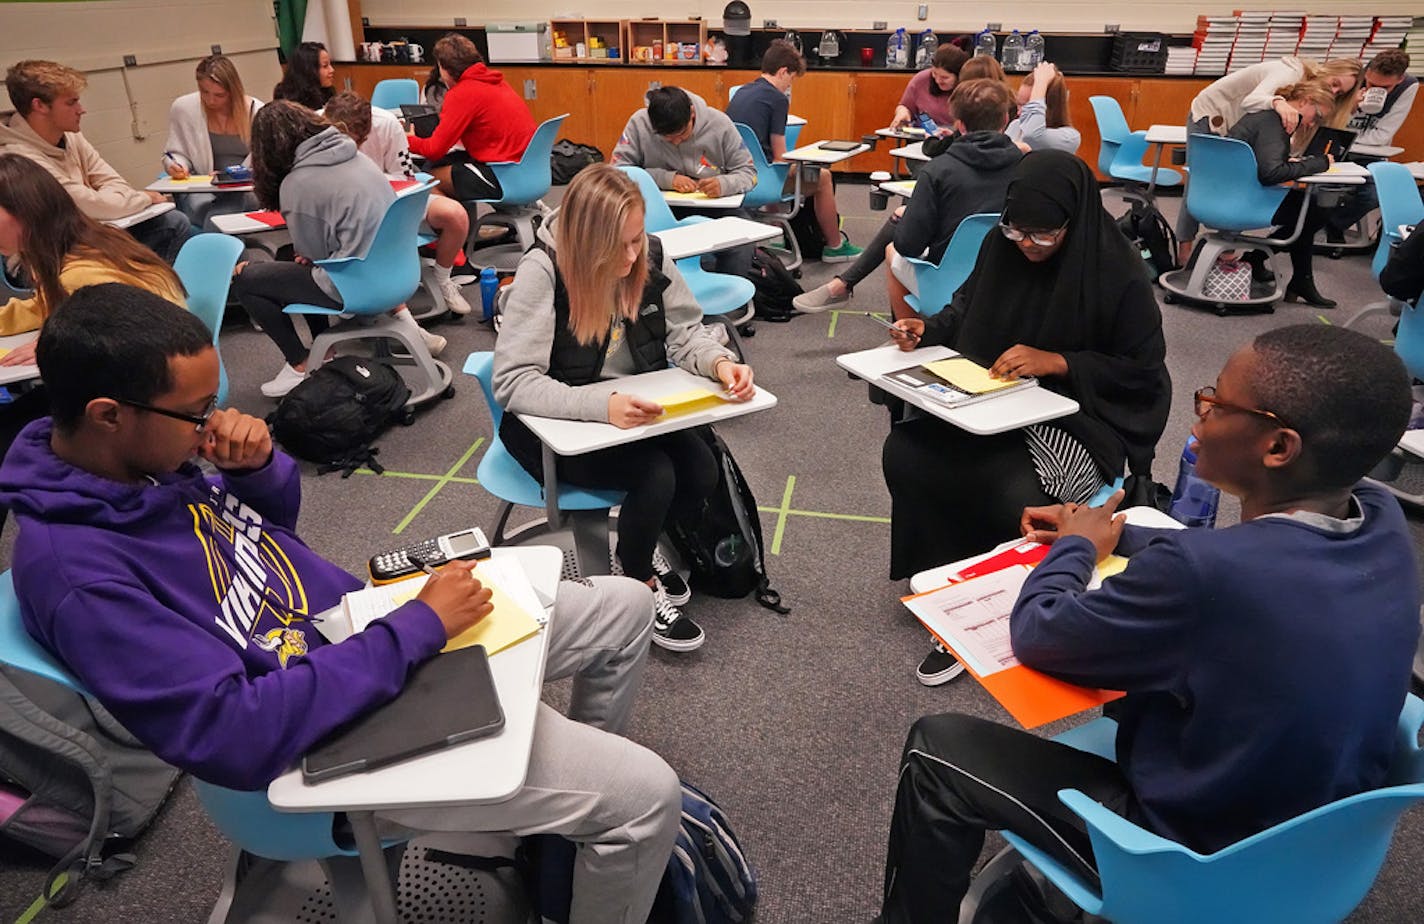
[794,723]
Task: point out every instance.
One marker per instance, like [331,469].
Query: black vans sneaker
[677,590]
[671,629]
[939,666]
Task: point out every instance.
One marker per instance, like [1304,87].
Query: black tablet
[840,146]
[448,700]
[1333,141]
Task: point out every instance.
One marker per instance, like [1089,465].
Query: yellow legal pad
[669,194]
[686,402]
[968,376]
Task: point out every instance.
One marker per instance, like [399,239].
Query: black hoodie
[971,176]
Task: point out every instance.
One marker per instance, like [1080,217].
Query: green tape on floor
[40,903]
[435,489]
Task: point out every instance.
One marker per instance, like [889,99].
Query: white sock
[442,274]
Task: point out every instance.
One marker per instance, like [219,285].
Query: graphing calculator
[399,564]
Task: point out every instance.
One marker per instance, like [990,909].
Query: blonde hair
[1317,92]
[33,80]
[1343,102]
[221,71]
[588,247]
[981,67]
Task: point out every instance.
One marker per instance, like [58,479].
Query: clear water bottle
[986,44]
[489,285]
[1194,501]
[897,49]
[1033,50]
[1012,57]
[924,52]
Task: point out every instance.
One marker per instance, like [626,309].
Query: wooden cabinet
[873,98]
[554,91]
[607,33]
[665,40]
[362,78]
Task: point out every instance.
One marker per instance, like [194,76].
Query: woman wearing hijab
[1059,295]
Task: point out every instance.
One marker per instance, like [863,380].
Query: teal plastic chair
[1316,867]
[245,818]
[394,93]
[1121,150]
[372,287]
[770,192]
[937,284]
[205,266]
[523,184]
[1399,204]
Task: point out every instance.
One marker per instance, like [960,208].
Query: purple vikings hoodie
[183,604]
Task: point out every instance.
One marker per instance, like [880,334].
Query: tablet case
[448,700]
[839,146]
[1339,140]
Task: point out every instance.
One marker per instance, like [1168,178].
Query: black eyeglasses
[200,421]
[1206,399]
[1041,238]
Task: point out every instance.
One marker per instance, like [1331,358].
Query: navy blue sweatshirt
[1265,664]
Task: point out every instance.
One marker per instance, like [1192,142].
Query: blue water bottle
[489,285]
[1194,501]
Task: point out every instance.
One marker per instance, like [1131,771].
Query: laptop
[448,700]
[421,118]
[1333,141]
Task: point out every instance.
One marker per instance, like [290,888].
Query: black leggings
[264,289]
[953,494]
[871,257]
[1302,249]
[664,476]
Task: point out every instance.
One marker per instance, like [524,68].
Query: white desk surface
[1376,150]
[488,770]
[933,578]
[904,188]
[1167,134]
[679,201]
[12,374]
[144,214]
[239,223]
[1416,169]
[902,133]
[1343,173]
[795,119]
[1413,440]
[574,437]
[914,151]
[815,154]
[202,184]
[982,418]
[711,236]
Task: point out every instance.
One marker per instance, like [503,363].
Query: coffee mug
[1373,100]
[388,54]
[417,53]
[371,51]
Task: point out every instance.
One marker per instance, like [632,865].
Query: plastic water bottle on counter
[897,49]
[986,44]
[1013,56]
[1033,50]
[1194,501]
[924,53]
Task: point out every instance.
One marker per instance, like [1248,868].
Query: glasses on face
[1206,399]
[199,421]
[1041,238]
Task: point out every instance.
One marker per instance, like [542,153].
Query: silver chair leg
[992,879]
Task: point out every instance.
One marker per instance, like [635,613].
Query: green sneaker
[844,253]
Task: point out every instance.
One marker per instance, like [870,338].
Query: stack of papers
[1317,35]
[1414,41]
[1284,33]
[1390,32]
[1181,59]
[687,402]
[1213,39]
[956,381]
[1250,45]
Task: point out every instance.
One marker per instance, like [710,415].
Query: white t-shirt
[386,145]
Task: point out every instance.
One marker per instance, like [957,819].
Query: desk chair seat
[1122,150]
[523,185]
[1316,867]
[1226,196]
[375,285]
[501,475]
[394,93]
[1399,204]
[769,193]
[205,266]
[1402,471]
[937,284]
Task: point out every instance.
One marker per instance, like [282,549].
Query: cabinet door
[552,91]
[873,100]
[1164,102]
[617,94]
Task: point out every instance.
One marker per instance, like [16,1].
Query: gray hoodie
[715,149]
[521,355]
[333,201]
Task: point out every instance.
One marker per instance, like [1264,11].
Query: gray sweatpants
[617,800]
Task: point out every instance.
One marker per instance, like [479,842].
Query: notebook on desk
[1333,141]
[956,381]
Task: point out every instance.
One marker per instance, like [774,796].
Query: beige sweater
[23,314]
[1250,89]
[96,187]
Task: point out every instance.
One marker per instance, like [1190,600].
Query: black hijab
[1090,301]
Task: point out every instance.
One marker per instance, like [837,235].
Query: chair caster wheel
[796,274]
[1169,299]
[448,393]
[407,417]
[1222,311]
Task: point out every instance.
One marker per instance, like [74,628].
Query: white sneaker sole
[672,644]
[941,678]
[842,258]
[823,306]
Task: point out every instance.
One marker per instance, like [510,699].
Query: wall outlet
[217,49]
[460,22]
[1111,28]
[130,61]
[879,25]
[531,90]
[768,24]
[995,27]
[924,12]
[365,20]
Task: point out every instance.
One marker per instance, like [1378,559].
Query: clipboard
[448,700]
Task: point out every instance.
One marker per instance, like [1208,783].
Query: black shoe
[671,629]
[938,667]
[673,584]
[1334,235]
[1260,264]
[1303,290]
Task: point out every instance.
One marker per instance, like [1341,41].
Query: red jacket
[484,114]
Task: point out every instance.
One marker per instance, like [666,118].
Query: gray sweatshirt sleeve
[521,355]
[689,345]
[632,149]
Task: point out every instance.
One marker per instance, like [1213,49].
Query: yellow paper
[669,194]
[967,375]
[4,351]
[200,178]
[509,624]
[1110,566]
[685,402]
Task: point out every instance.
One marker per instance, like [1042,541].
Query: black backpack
[569,157]
[333,417]
[775,287]
[808,231]
[1152,236]
[722,543]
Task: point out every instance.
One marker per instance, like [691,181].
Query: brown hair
[221,71]
[351,113]
[456,54]
[277,130]
[781,53]
[982,105]
[982,67]
[28,81]
[949,57]
[52,230]
[588,244]
[1311,91]
[1392,62]
[1055,100]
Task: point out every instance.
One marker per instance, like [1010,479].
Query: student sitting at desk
[333,201]
[688,147]
[928,93]
[1043,120]
[595,300]
[1403,275]
[1275,163]
[310,78]
[1058,293]
[185,603]
[379,135]
[481,112]
[1217,636]
[209,131]
[970,176]
[45,128]
[763,106]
